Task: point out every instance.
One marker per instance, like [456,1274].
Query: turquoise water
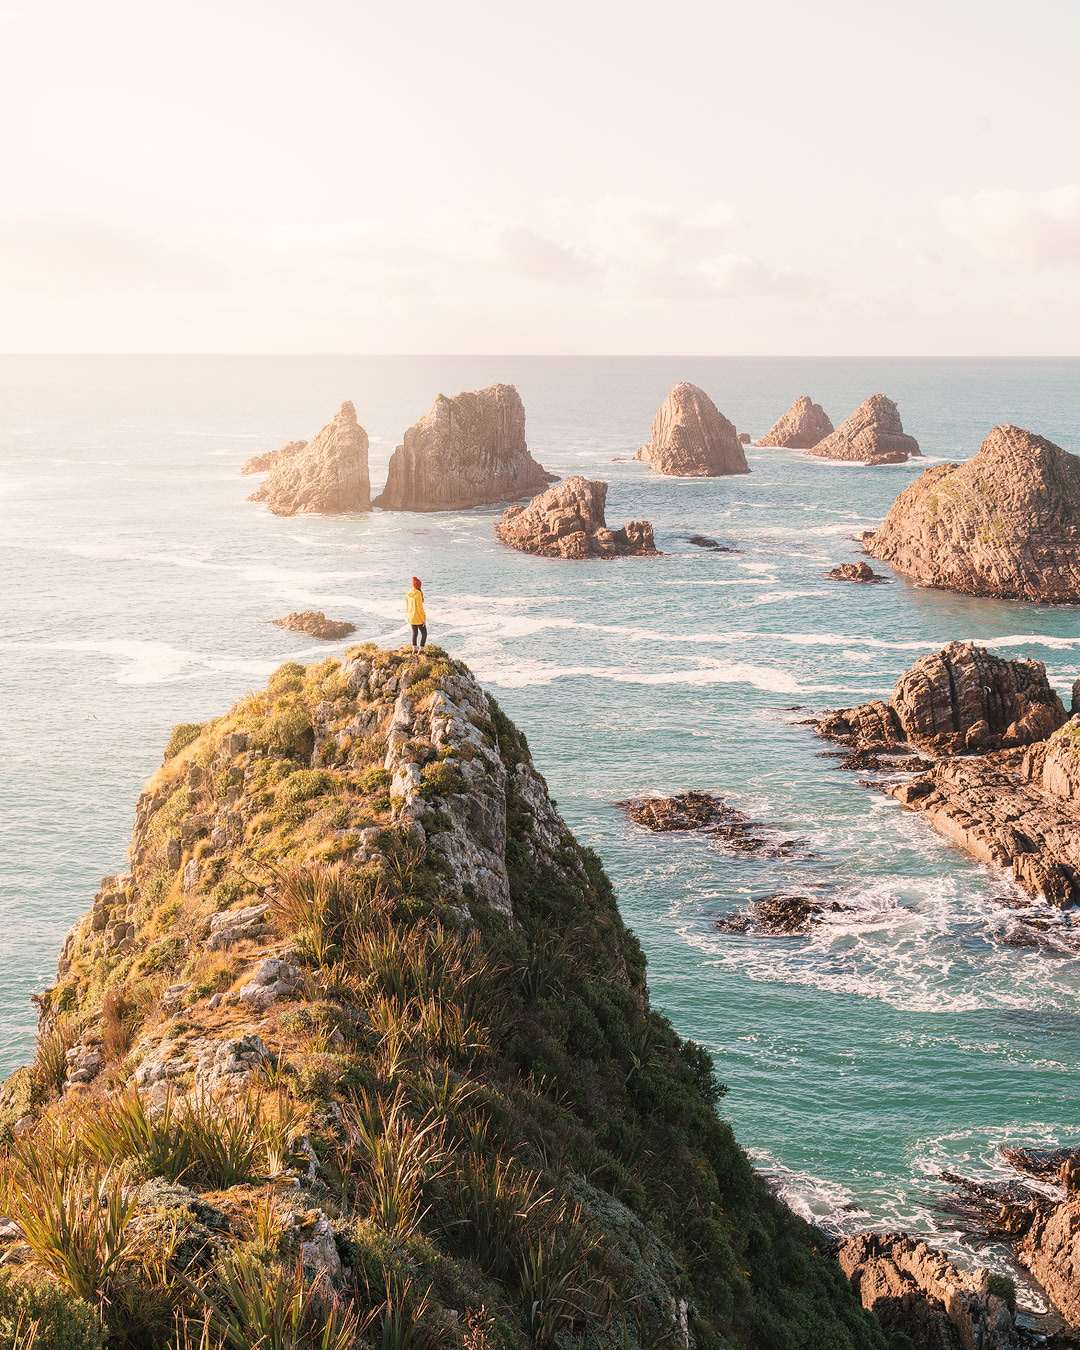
[137,583]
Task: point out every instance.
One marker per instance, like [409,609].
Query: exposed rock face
[744,438]
[567,521]
[918,1292]
[315,623]
[264,463]
[855,572]
[961,699]
[1050,1249]
[468,451]
[801,428]
[691,438]
[328,476]
[1006,523]
[873,434]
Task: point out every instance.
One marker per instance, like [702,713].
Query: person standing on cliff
[414,611]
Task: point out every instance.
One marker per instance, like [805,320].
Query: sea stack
[468,451]
[1006,523]
[801,428]
[567,521]
[873,434]
[691,437]
[326,476]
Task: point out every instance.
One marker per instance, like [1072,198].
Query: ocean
[905,1036]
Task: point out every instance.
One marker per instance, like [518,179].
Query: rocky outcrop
[781,915]
[855,572]
[264,463]
[959,700]
[1006,523]
[917,1292]
[328,476]
[1050,1249]
[685,811]
[803,426]
[468,451]
[567,521]
[873,434]
[315,623]
[691,438]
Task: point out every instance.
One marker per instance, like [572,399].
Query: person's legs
[423,636]
[417,629]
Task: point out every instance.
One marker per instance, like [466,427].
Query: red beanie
[416,583]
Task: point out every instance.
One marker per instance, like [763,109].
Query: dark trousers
[419,630]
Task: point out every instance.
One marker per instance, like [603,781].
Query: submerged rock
[873,434]
[782,914]
[691,438]
[713,545]
[802,427]
[1006,523]
[467,451]
[326,476]
[567,521]
[859,571]
[315,623]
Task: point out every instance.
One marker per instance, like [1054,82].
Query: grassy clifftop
[359,1051]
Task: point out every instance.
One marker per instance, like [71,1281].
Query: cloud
[60,253]
[1039,229]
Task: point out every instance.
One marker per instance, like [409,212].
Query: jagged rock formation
[873,434]
[1017,803]
[959,700]
[567,521]
[855,572]
[467,451]
[1006,523]
[354,886]
[327,476]
[264,463]
[315,623]
[802,427]
[744,438]
[1050,1249]
[781,915]
[918,1292]
[691,438]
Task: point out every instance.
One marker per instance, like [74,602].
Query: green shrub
[1004,1287]
[303,785]
[374,780]
[182,736]
[64,1322]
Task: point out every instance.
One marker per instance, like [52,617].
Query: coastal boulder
[328,476]
[801,428]
[567,521]
[873,434]
[1006,523]
[315,623]
[467,451]
[691,438]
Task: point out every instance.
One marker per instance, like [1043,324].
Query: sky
[343,176]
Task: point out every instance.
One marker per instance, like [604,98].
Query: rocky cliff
[357,1044]
[468,451]
[567,521]
[691,438]
[873,434]
[801,428]
[264,463]
[1006,523]
[326,476]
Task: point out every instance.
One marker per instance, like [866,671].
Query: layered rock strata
[873,434]
[1006,523]
[315,623]
[691,438]
[803,426]
[917,1292]
[327,476]
[467,451]
[567,521]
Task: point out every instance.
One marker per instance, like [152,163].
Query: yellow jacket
[414,606]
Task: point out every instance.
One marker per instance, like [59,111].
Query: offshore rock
[685,811]
[315,623]
[329,476]
[955,701]
[801,428]
[1006,523]
[781,915]
[873,434]
[859,571]
[691,438]
[264,463]
[567,521]
[467,451]
[917,1292]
